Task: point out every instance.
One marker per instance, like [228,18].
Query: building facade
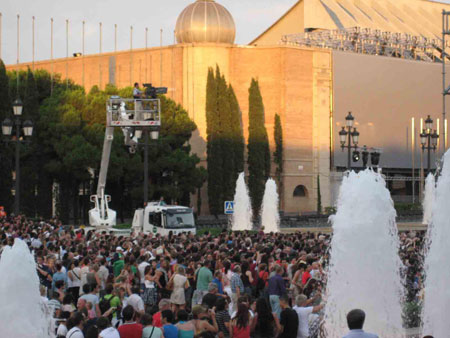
[310,87]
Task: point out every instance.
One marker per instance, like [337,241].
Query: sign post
[229,208]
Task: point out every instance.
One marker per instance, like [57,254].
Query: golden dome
[205,21]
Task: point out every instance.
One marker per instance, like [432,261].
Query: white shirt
[141,268]
[136,92]
[136,302]
[249,311]
[109,332]
[62,330]
[303,323]
[90,298]
[35,243]
[76,275]
[360,334]
[103,273]
[315,273]
[83,271]
[75,332]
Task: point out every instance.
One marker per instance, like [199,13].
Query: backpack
[104,304]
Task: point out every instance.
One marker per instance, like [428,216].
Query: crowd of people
[239,285]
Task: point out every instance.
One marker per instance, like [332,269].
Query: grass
[123,226]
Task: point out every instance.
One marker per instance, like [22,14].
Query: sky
[252,17]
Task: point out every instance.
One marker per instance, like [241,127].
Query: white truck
[160,218]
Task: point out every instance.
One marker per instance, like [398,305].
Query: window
[179,220]
[300,191]
[155,219]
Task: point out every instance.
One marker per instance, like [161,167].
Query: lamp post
[351,136]
[429,140]
[154,135]
[7,128]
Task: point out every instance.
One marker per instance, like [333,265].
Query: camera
[152,92]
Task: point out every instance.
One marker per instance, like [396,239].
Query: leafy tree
[278,153]
[258,148]
[173,168]
[67,145]
[29,176]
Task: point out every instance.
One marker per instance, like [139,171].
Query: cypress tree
[258,148]
[211,102]
[214,159]
[226,139]
[278,153]
[238,134]
[6,153]
[319,197]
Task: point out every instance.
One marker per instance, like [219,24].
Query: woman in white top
[74,280]
[180,283]
[84,270]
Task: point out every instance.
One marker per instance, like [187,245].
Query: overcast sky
[251,16]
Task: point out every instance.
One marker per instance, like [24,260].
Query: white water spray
[270,217]
[436,304]
[242,216]
[23,313]
[364,271]
[428,198]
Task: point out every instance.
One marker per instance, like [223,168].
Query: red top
[264,275]
[131,330]
[157,319]
[306,276]
[240,332]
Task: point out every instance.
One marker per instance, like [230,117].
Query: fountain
[428,199]
[242,216]
[270,217]
[364,269]
[436,303]
[22,314]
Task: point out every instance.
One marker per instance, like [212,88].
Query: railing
[133,113]
[372,42]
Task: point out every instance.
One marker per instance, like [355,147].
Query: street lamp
[7,130]
[17,107]
[351,136]
[429,139]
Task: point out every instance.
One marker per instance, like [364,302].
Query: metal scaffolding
[371,42]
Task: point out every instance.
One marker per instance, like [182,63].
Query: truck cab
[160,218]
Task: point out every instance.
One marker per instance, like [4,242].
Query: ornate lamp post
[429,139]
[347,135]
[7,128]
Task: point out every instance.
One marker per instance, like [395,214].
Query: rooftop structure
[205,21]
[421,18]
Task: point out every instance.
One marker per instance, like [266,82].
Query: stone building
[320,60]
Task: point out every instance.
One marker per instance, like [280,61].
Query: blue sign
[229,208]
